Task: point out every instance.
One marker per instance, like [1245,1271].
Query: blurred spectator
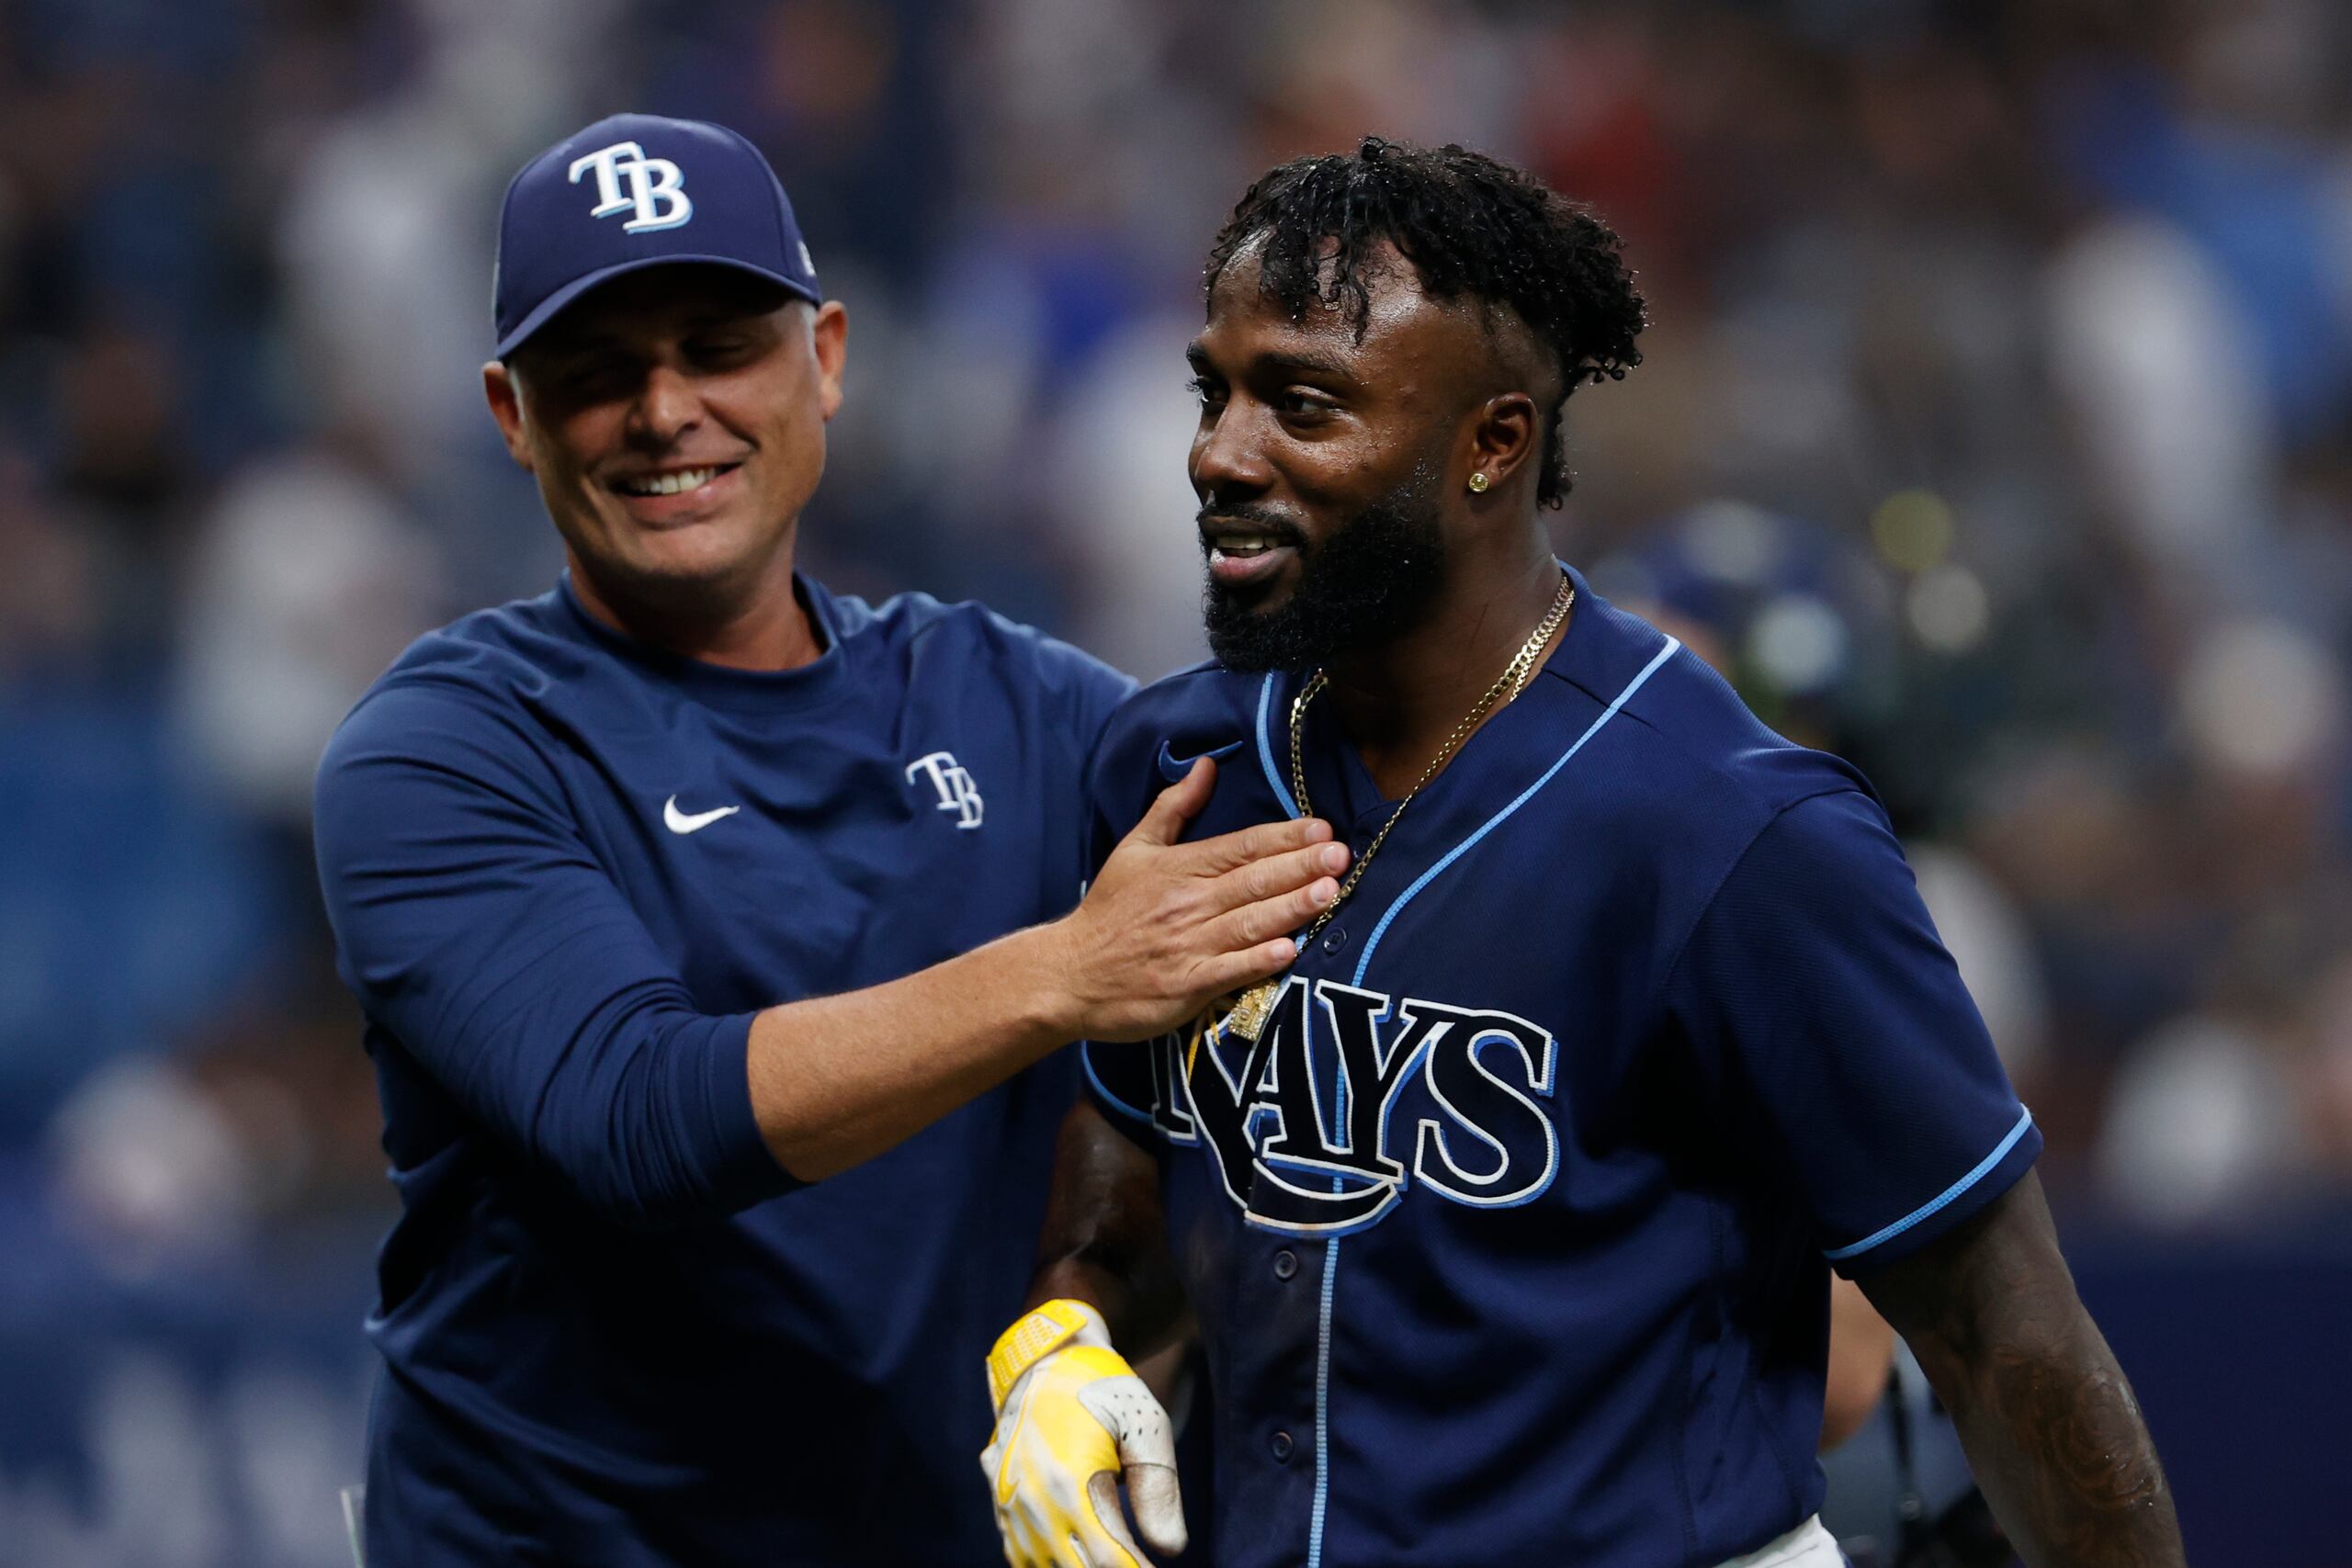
[308,579]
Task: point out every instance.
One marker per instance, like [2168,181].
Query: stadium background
[1996,430]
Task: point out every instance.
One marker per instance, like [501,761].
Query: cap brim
[548,307]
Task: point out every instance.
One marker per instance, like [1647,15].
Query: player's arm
[1861,1350]
[2048,1422]
[1073,1420]
[1166,929]
[1106,1241]
[1817,993]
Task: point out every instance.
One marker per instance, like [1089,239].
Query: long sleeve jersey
[564,871]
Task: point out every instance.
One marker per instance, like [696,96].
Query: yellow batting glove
[1071,1417]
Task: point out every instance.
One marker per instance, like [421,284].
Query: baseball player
[719,1166]
[1507,1214]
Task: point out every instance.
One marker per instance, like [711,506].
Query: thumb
[1147,1441]
[1158,1504]
[1176,805]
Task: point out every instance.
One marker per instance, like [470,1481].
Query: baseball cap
[634,191]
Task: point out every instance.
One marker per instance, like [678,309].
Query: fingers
[1035,1539]
[1045,1537]
[1236,971]
[1228,850]
[1265,880]
[1038,1537]
[1176,805]
[1252,924]
[1120,1550]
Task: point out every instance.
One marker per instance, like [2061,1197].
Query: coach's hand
[1072,1418]
[1169,928]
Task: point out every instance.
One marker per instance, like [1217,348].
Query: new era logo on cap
[636,191]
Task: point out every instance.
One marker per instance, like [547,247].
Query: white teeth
[670,484]
[1245,544]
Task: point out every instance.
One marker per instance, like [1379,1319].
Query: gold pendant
[1248,1017]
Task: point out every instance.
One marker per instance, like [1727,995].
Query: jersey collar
[822,681]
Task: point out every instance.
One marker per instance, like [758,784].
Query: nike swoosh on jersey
[679,821]
[1172,767]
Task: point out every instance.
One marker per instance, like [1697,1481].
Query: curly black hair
[1470,226]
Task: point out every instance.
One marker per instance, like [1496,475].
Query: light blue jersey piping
[1942,1200]
[1331,1247]
[1266,749]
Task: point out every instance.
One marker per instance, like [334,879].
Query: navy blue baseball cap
[634,191]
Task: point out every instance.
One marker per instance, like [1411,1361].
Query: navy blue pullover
[564,871]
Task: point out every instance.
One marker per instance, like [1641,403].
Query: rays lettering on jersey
[1315,1153]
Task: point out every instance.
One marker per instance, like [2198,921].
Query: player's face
[1318,462]
[674,418]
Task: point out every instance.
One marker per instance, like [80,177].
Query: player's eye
[1206,392]
[1303,404]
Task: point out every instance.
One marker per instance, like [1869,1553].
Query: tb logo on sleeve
[656,186]
[1322,1158]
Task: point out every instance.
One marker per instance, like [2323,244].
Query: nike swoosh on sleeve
[1172,767]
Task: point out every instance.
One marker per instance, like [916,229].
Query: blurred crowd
[1995,430]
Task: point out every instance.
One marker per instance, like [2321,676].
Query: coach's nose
[667,407]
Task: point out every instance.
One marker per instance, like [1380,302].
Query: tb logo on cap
[655,186]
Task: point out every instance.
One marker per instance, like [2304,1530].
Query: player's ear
[505,397]
[829,339]
[1509,432]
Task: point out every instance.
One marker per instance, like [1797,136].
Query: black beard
[1369,583]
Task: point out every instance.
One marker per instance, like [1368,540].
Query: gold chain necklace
[1248,1016]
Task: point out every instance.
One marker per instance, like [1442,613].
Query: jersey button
[1285,1264]
[1280,1446]
[1334,938]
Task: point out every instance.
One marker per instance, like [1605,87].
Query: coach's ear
[829,347]
[506,408]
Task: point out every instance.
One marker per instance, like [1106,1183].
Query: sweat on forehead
[1388,293]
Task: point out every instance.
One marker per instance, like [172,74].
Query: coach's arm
[1166,929]
[493,951]
[2050,1425]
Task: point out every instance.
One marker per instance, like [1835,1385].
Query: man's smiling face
[674,418]
[1319,461]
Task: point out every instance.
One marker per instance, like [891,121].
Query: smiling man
[715,936]
[1508,1214]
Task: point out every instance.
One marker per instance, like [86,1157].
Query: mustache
[1253,517]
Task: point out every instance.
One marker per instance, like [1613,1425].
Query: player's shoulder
[968,636]
[1201,710]
[1698,748]
[1195,700]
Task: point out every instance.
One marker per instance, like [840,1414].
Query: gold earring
[1478,483]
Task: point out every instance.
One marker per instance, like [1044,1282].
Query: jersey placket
[1390,908]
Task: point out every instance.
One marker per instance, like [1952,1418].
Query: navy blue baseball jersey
[1510,1236]
[564,871]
